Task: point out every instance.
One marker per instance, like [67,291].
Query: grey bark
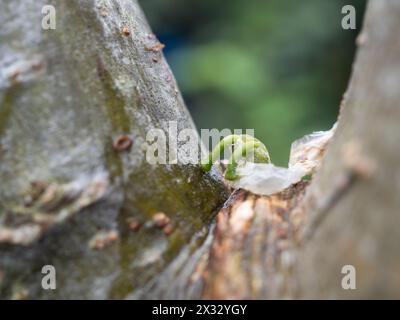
[65,96]
[354,195]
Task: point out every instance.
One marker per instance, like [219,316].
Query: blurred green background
[279,67]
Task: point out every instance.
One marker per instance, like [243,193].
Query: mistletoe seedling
[243,145]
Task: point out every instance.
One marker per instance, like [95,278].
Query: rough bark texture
[277,247]
[354,196]
[66,195]
[65,97]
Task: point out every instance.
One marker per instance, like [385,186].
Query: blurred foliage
[277,66]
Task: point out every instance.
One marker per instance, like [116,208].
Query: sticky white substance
[265,179]
[305,156]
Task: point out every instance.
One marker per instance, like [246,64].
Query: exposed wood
[252,251]
[349,213]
